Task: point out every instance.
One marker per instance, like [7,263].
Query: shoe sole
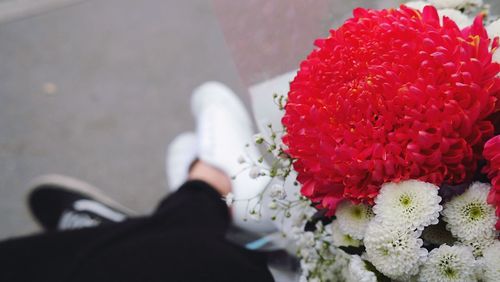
[74,185]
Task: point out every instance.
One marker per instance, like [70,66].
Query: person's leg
[185,241]
[182,241]
[48,256]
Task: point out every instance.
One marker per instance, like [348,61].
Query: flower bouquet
[387,163]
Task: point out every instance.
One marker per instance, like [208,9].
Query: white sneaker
[223,126]
[181,153]
[223,131]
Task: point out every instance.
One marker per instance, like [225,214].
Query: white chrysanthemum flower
[353,219]
[458,17]
[478,244]
[438,234]
[441,4]
[447,263]
[394,250]
[417,5]
[468,215]
[411,204]
[358,271]
[341,239]
[491,263]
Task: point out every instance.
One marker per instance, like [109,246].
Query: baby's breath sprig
[275,163]
[281,165]
[280,101]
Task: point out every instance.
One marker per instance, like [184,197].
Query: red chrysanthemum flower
[492,154]
[391,95]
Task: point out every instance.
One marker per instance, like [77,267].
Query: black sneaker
[59,202]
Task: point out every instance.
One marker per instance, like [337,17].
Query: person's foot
[181,154]
[58,202]
[211,175]
[224,128]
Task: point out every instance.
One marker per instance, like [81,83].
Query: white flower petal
[491,263]
[468,215]
[479,244]
[448,264]
[358,271]
[394,250]
[411,204]
[341,239]
[353,219]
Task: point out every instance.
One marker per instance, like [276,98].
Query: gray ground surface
[96,90]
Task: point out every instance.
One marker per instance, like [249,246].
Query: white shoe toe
[216,94]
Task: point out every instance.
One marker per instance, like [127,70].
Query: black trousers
[184,240]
